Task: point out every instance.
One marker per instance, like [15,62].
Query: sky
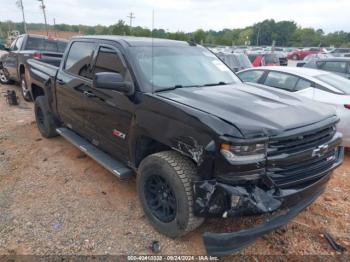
[185,15]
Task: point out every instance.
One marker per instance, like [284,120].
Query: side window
[334,66]
[282,81]
[302,84]
[251,76]
[19,43]
[79,58]
[108,61]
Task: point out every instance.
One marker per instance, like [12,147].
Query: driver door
[108,112]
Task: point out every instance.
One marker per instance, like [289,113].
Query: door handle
[89,94]
[60,82]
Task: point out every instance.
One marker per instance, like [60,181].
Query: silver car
[315,84]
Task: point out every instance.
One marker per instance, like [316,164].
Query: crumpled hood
[254,110]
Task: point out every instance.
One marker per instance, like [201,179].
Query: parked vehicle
[264,59]
[338,52]
[337,65]
[324,87]
[300,54]
[312,58]
[202,143]
[235,61]
[13,66]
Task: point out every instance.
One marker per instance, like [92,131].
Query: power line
[131,17]
[42,6]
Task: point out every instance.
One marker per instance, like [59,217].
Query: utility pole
[42,6]
[19,3]
[257,38]
[131,17]
[54,26]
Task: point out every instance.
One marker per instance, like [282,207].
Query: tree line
[265,33]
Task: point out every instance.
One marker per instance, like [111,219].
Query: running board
[114,166]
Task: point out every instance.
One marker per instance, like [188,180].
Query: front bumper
[227,243]
[213,199]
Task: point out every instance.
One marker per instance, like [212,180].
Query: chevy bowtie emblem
[320,151]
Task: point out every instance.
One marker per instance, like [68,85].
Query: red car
[300,54]
[264,59]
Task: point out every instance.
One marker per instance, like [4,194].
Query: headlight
[243,153]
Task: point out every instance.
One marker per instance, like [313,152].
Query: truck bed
[41,72]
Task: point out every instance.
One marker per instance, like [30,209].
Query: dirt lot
[54,200]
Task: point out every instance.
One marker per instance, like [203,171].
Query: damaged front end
[213,199]
[285,181]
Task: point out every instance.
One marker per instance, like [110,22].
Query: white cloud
[187,15]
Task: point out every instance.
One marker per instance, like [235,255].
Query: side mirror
[112,81]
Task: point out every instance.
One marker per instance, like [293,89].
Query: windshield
[339,82]
[178,67]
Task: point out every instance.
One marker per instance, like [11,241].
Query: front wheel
[4,77]
[164,186]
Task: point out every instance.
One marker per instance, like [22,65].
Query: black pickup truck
[13,65]
[202,143]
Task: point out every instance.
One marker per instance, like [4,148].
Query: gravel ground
[55,200]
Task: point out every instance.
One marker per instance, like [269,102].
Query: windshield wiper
[174,87]
[216,84]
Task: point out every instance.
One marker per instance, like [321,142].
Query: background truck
[13,65]
[202,143]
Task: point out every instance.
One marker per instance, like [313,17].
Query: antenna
[152,51]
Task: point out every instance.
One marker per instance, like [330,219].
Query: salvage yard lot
[55,200]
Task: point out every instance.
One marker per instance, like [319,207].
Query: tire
[295,57]
[24,89]
[177,173]
[44,118]
[3,77]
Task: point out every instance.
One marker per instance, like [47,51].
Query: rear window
[339,82]
[42,44]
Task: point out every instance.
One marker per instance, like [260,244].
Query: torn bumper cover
[227,243]
[214,198]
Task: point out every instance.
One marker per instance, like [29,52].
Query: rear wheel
[164,186]
[44,118]
[24,87]
[4,79]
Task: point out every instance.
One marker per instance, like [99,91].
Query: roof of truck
[136,41]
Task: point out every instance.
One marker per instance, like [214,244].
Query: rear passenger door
[72,82]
